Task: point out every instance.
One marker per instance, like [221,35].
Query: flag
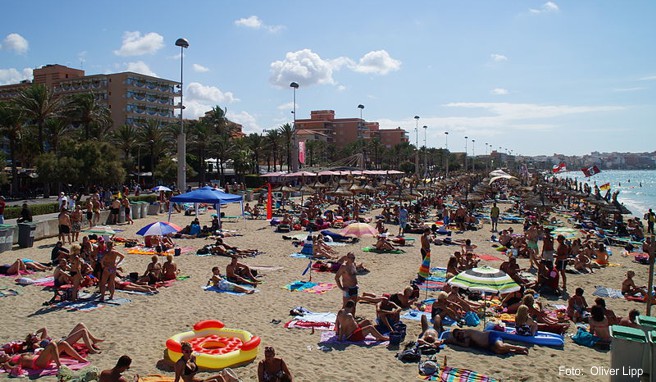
[559,168]
[604,187]
[269,202]
[589,171]
[301,152]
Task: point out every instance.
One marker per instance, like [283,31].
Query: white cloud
[377,62]
[625,90]
[547,7]
[531,111]
[499,91]
[199,98]
[308,68]
[200,68]
[648,78]
[140,67]
[287,106]
[16,43]
[303,66]
[13,76]
[134,44]
[254,22]
[498,57]
[247,121]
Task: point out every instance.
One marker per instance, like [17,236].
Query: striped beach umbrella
[359,230]
[424,268]
[485,279]
[159,229]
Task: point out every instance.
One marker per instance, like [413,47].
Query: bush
[13,212]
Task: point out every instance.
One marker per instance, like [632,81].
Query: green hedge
[13,212]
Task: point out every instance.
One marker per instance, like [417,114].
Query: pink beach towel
[330,337]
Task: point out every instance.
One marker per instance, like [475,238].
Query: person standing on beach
[64,225]
[403,219]
[425,243]
[347,280]
[494,217]
[562,253]
[109,265]
[651,218]
[532,235]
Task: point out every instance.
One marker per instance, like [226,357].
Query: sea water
[637,187]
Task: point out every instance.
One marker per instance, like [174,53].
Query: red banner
[559,168]
[269,202]
[588,172]
[301,152]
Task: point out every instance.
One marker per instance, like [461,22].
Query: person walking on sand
[64,220]
[494,217]
[347,279]
[562,253]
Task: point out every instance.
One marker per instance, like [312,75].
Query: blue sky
[534,77]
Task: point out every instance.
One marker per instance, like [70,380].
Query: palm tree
[86,111]
[11,122]
[287,133]
[125,138]
[153,135]
[38,104]
[201,136]
[56,128]
[272,144]
[255,143]
[375,147]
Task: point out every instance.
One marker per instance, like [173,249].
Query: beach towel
[87,305]
[299,285]
[320,288]
[300,256]
[6,292]
[486,257]
[52,368]
[415,315]
[601,291]
[438,272]
[156,378]
[44,281]
[300,324]
[454,374]
[218,290]
[431,285]
[330,338]
[310,287]
[374,250]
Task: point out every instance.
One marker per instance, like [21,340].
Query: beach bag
[584,338]
[411,354]
[428,368]
[395,338]
[642,259]
[471,319]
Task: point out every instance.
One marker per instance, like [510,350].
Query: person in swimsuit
[347,327]
[484,340]
[40,338]
[347,279]
[170,269]
[272,369]
[577,306]
[125,202]
[217,280]
[186,368]
[109,264]
[524,324]
[41,360]
[115,374]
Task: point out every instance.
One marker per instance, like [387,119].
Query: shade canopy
[206,195]
[485,279]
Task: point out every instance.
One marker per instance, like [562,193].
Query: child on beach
[577,306]
[629,287]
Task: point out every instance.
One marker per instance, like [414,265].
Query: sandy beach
[140,327]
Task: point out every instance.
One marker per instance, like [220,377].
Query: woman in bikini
[186,368]
[41,360]
[272,369]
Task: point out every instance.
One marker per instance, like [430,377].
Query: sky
[531,77]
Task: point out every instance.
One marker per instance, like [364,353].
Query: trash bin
[134,210]
[249,195]
[144,209]
[652,354]
[121,214]
[626,350]
[648,325]
[153,208]
[26,233]
[136,206]
[4,229]
[9,237]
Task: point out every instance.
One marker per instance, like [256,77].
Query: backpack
[411,353]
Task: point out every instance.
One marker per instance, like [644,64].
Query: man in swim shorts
[348,329]
[484,340]
[347,279]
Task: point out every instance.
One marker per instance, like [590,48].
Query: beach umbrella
[341,192]
[100,230]
[359,230]
[320,185]
[159,229]
[161,188]
[485,279]
[424,268]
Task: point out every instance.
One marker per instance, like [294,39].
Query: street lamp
[417,145]
[182,139]
[473,154]
[446,147]
[466,153]
[425,152]
[294,85]
[486,158]
[361,134]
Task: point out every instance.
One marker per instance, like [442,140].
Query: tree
[56,129]
[287,133]
[126,139]
[256,144]
[272,144]
[85,110]
[152,134]
[201,136]
[11,122]
[39,104]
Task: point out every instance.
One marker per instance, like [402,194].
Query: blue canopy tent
[208,195]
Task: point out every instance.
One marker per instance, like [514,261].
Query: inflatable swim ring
[215,346]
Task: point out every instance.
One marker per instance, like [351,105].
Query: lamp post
[473,154]
[486,158]
[446,146]
[417,145]
[361,134]
[466,137]
[182,138]
[294,159]
[425,152]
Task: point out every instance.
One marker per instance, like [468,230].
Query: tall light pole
[360,133]
[417,145]
[473,154]
[447,154]
[466,137]
[294,159]
[486,159]
[182,138]
[425,153]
